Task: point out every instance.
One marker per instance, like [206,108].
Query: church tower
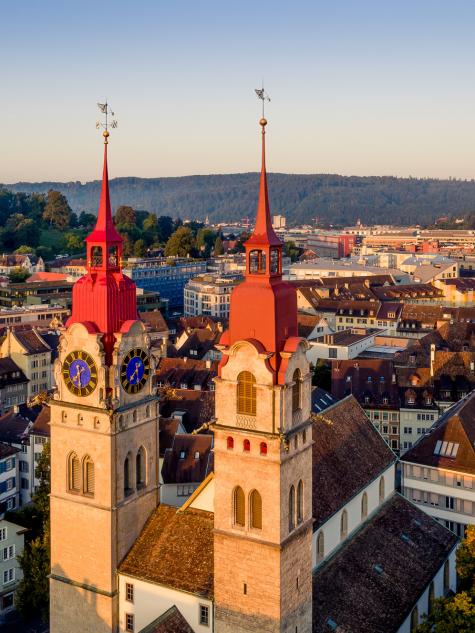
[263,455]
[104,435]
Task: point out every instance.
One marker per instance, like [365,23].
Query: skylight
[378,568]
[446,449]
[332,624]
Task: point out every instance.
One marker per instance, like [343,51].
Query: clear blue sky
[358,87]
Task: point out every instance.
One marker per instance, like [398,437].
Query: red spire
[263,231]
[104,299]
[104,230]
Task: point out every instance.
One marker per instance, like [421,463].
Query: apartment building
[209,295]
[32,354]
[12,542]
[438,472]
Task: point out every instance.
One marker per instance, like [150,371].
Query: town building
[168,276]
[13,385]
[12,542]
[344,345]
[438,472]
[209,295]
[330,244]
[29,293]
[9,470]
[28,349]
[42,316]
[27,262]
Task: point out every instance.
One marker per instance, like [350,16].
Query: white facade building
[209,295]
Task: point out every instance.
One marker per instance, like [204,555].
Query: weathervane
[105,125]
[263,96]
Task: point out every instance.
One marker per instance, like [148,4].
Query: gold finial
[105,134]
[263,122]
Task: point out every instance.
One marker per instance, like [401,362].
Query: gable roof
[175,549]
[409,545]
[14,426]
[181,464]
[31,341]
[456,426]
[198,406]
[10,373]
[171,621]
[348,453]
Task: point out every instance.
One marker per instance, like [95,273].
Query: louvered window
[296,388]
[300,502]
[89,476]
[291,508]
[239,510]
[246,393]
[74,473]
[256,510]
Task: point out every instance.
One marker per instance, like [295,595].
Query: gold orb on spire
[263,122]
[105,134]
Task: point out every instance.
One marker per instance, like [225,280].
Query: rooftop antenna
[263,96]
[106,110]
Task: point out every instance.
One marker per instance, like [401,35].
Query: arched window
[246,446]
[257,262]
[74,473]
[364,506]
[446,576]
[263,448]
[96,256]
[381,490]
[88,476]
[140,468]
[127,486]
[230,443]
[274,260]
[296,390]
[113,259]
[320,546]
[344,525]
[246,393]
[238,506]
[291,508]
[255,507]
[300,502]
[430,604]
[414,619]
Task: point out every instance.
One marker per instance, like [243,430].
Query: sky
[357,87]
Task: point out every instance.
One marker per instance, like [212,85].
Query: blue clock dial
[80,373]
[134,370]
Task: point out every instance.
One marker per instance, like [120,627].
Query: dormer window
[257,262]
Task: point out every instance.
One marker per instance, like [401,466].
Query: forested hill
[300,198]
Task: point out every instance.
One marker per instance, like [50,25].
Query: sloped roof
[6,450]
[456,425]
[348,453]
[189,460]
[31,341]
[408,545]
[171,621]
[154,321]
[186,371]
[41,423]
[166,434]
[14,427]
[7,368]
[198,405]
[175,549]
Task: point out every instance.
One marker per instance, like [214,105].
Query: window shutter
[90,478]
[239,511]
[256,510]
[75,474]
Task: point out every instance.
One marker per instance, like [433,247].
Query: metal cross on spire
[106,110]
[263,96]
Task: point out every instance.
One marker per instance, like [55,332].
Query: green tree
[165,227]
[181,243]
[205,239]
[20,230]
[140,248]
[218,246]
[32,596]
[450,615]
[74,242]
[57,210]
[466,560]
[292,250]
[322,375]
[46,252]
[86,220]
[18,275]
[24,250]
[125,218]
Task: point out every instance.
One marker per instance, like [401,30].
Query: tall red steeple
[264,306]
[104,298]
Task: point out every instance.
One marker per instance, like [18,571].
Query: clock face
[135,370]
[80,373]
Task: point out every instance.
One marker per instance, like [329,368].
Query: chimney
[432,359]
